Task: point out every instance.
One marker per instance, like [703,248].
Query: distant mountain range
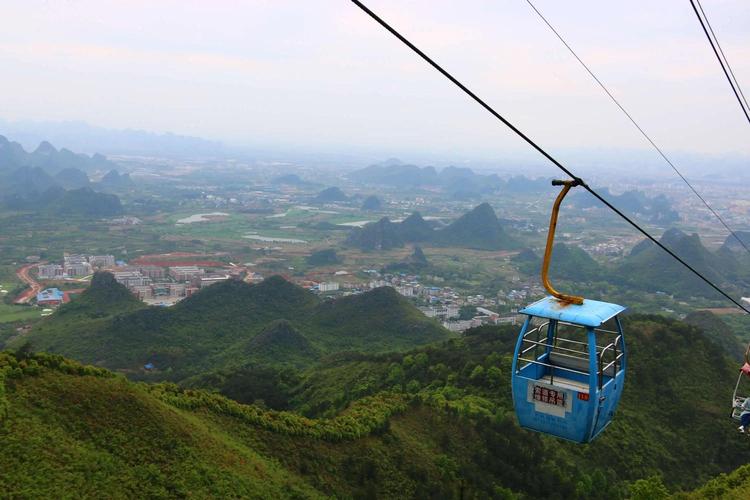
[274,322]
[57,181]
[80,136]
[656,209]
[649,267]
[462,183]
[48,158]
[477,229]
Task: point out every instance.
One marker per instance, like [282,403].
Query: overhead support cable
[732,83]
[640,129]
[540,150]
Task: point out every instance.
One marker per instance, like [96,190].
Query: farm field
[11,313]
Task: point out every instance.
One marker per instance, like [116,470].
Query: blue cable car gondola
[738,399]
[570,359]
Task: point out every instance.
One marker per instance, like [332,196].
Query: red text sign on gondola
[549,396]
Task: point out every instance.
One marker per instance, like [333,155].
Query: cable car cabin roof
[591,313]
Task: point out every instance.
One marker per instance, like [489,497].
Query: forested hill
[733,486]
[217,327]
[477,229]
[672,422]
[648,267]
[54,182]
[435,422]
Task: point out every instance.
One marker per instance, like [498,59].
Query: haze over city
[262,249]
[321,76]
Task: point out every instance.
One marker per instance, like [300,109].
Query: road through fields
[34,287]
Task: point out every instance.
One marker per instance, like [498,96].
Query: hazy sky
[322,74]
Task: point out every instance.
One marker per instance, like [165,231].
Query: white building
[51,271]
[102,261]
[78,269]
[131,279]
[447,311]
[460,326]
[186,273]
[328,286]
[76,265]
[143,292]
[210,280]
[378,283]
[153,272]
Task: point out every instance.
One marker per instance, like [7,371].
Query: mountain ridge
[215,327]
[477,229]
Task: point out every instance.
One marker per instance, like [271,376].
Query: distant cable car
[570,359]
[737,397]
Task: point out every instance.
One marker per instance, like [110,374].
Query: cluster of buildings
[126,220]
[166,285]
[605,249]
[445,303]
[75,266]
[155,284]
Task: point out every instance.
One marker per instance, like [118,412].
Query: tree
[467,312]
[651,488]
[477,374]
[25,351]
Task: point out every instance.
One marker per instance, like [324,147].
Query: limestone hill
[274,322]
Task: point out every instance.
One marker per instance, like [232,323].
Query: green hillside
[415,263]
[331,194]
[74,431]
[435,422]
[218,327]
[732,486]
[380,235]
[478,229]
[323,257]
[648,267]
[414,228]
[647,437]
[568,262]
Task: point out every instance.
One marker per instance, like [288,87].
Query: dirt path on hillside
[34,287]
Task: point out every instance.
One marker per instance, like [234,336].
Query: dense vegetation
[433,422]
[227,324]
[323,257]
[647,438]
[648,267]
[733,486]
